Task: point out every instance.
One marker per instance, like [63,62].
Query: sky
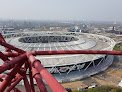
[83,10]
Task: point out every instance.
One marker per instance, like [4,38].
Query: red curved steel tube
[51,81]
[27,85]
[39,81]
[77,52]
[14,84]
[3,57]
[67,52]
[11,47]
[8,79]
[10,64]
[31,81]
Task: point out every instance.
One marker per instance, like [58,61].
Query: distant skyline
[82,10]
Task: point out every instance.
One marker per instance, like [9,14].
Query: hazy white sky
[97,10]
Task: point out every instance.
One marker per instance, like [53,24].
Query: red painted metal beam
[27,85]
[77,52]
[8,79]
[3,57]
[1,79]
[1,38]
[3,76]
[51,81]
[14,84]
[10,64]
[67,52]
[16,90]
[10,54]
[11,47]
[39,81]
[31,81]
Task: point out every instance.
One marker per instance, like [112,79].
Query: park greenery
[118,47]
[102,89]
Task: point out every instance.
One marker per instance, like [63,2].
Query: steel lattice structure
[14,60]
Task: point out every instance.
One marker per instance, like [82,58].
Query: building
[66,68]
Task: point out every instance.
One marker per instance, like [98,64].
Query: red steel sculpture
[15,61]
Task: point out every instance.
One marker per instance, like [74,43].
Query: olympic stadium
[66,68]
